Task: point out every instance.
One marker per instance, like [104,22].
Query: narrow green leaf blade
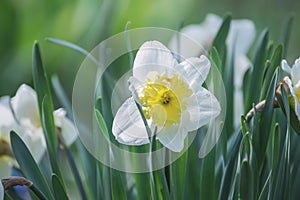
[102,124]
[28,165]
[255,79]
[246,188]
[61,95]
[220,39]
[59,190]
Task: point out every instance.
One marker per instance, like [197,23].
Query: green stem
[75,173]
[152,179]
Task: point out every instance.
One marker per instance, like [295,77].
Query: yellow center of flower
[163,99]
[291,99]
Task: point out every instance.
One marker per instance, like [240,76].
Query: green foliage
[28,165]
[258,160]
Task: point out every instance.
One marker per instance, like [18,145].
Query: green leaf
[58,188]
[264,192]
[275,61]
[28,165]
[178,177]
[230,166]
[255,79]
[50,134]
[266,118]
[207,182]
[117,185]
[246,182]
[102,124]
[280,180]
[286,34]
[72,46]
[40,78]
[61,95]
[220,39]
[215,58]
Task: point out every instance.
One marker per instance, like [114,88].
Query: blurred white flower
[24,119]
[6,155]
[240,37]
[171,97]
[293,83]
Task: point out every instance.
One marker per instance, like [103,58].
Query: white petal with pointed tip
[128,126]
[202,108]
[25,105]
[240,36]
[68,131]
[152,56]
[194,71]
[285,67]
[172,137]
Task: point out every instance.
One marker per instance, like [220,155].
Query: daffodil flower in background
[23,117]
[293,84]
[6,156]
[170,95]
[240,38]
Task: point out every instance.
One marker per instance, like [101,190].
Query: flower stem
[73,166]
[259,108]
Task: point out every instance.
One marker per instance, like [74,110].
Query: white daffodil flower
[293,83]
[171,96]
[240,37]
[6,156]
[27,123]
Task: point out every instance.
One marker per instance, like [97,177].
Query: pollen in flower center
[163,99]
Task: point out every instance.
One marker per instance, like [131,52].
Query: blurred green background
[87,22]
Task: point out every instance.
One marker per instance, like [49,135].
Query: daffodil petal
[6,116]
[68,130]
[34,140]
[6,167]
[203,107]
[194,70]
[285,67]
[152,56]
[25,105]
[297,106]
[295,74]
[191,42]
[172,137]
[203,34]
[128,126]
[242,64]
[240,36]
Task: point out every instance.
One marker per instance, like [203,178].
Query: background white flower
[293,83]
[240,38]
[171,96]
[24,119]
